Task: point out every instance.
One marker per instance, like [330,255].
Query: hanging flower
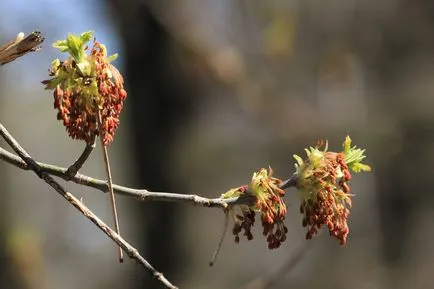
[323,186]
[270,205]
[267,201]
[322,181]
[86,87]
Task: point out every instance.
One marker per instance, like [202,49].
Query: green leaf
[347,144]
[85,37]
[74,45]
[112,57]
[298,159]
[359,167]
[59,43]
[354,156]
[55,63]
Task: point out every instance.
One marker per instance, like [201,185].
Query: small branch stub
[19,46]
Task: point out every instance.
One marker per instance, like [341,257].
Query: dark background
[216,90]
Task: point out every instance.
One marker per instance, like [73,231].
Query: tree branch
[130,250]
[141,194]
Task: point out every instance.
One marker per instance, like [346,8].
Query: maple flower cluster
[88,90]
[271,206]
[323,186]
[322,181]
[268,202]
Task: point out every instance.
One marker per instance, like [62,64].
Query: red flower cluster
[81,98]
[110,86]
[267,201]
[244,222]
[271,206]
[328,204]
[322,182]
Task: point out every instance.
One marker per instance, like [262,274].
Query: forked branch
[38,170]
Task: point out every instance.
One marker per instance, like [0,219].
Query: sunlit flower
[267,201]
[270,205]
[85,87]
[323,185]
[322,181]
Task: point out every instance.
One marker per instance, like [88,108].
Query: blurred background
[216,90]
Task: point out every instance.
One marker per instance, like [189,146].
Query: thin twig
[78,164]
[19,46]
[289,183]
[285,268]
[222,237]
[130,250]
[141,194]
[110,184]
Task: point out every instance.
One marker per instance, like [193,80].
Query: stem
[288,183]
[110,183]
[78,164]
[222,237]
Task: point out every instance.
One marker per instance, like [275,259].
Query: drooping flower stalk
[88,95]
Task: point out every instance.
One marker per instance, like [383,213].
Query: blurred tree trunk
[399,66]
[158,103]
